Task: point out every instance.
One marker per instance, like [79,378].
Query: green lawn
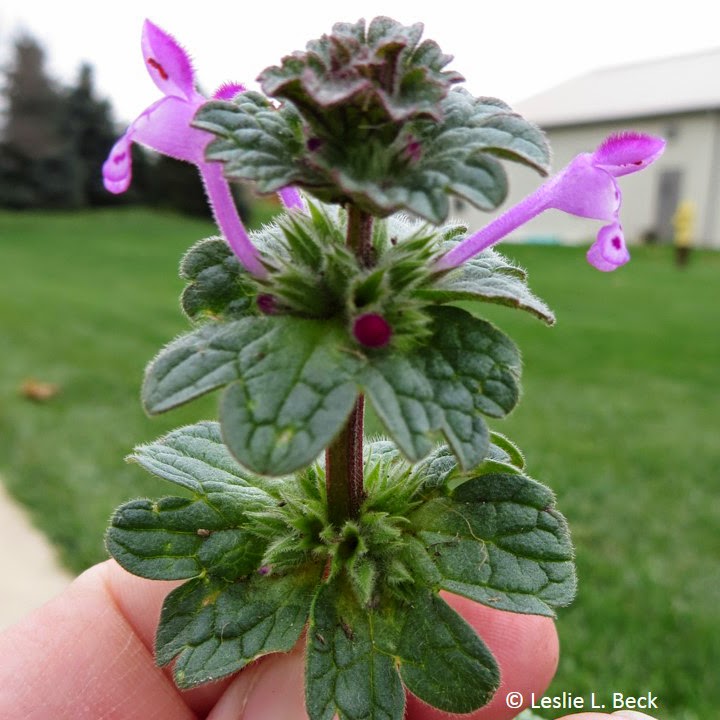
[620,416]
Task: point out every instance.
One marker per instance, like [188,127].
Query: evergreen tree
[38,166]
[88,122]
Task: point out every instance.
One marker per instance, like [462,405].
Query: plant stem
[359,235]
[344,468]
[344,456]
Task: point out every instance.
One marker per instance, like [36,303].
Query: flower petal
[117,169]
[165,127]
[227,91]
[609,251]
[167,62]
[628,152]
[585,190]
[227,218]
[291,198]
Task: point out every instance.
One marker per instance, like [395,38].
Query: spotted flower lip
[586,187]
[165,126]
[609,252]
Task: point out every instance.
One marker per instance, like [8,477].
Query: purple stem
[228,220]
[494,231]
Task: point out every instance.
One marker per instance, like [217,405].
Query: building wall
[693,150]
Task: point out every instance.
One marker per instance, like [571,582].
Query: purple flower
[586,187]
[165,127]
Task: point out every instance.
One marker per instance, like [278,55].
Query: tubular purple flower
[165,127]
[586,188]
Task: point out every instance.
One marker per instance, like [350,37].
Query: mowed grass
[619,416]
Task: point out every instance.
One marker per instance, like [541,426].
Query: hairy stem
[344,456]
[344,468]
[359,235]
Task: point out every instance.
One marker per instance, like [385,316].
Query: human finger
[140,602]
[79,658]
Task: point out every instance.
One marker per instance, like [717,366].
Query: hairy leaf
[498,540]
[488,277]
[380,74]
[291,385]
[348,674]
[196,458]
[196,363]
[255,140]
[468,368]
[295,389]
[442,660]
[218,284]
[175,538]
[214,627]
[180,537]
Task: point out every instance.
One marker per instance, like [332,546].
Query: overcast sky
[508,49]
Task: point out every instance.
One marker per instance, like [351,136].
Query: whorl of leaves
[381,71]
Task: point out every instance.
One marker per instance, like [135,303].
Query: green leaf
[486,125]
[467,368]
[195,457]
[295,389]
[215,627]
[506,451]
[365,109]
[487,277]
[442,660]
[293,381]
[348,673]
[256,141]
[175,538]
[196,363]
[218,284]
[456,155]
[498,540]
[180,537]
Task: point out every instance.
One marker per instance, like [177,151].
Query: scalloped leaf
[293,382]
[214,627]
[195,457]
[180,537]
[487,277]
[196,363]
[442,660]
[355,134]
[348,674]
[176,538]
[291,385]
[498,540]
[296,387]
[440,469]
[219,286]
[466,370]
[255,140]
[380,75]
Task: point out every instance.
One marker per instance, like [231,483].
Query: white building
[677,98]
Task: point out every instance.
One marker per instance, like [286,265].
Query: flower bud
[372,330]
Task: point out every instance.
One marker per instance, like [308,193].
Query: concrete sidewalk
[29,571]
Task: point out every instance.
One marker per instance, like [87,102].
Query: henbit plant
[288,519]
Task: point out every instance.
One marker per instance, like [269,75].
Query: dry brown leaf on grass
[38,391]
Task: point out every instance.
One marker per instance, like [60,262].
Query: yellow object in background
[684,224]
